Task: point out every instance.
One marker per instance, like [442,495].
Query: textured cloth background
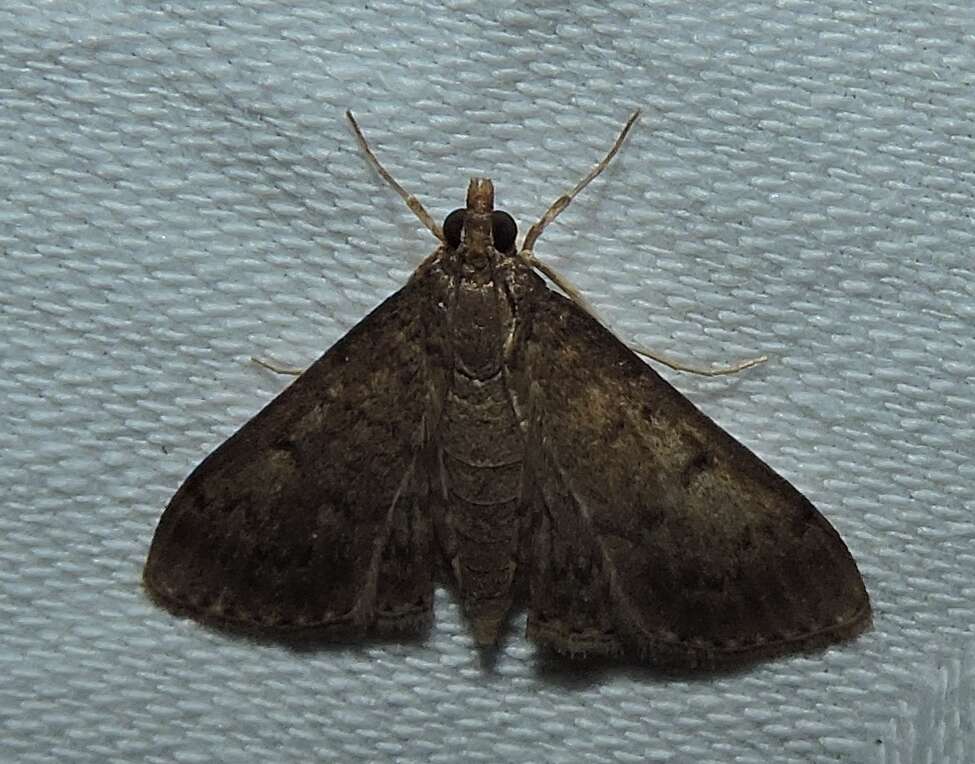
[179,191]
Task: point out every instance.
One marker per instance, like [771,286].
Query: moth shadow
[580,673]
[301,644]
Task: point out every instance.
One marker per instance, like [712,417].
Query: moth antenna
[411,201]
[577,297]
[563,201]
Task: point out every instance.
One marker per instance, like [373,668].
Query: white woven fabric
[178,191]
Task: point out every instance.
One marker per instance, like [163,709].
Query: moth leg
[678,366]
[411,201]
[568,600]
[293,371]
[570,289]
[577,297]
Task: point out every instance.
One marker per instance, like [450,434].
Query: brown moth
[481,429]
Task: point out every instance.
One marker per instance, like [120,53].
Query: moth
[482,429]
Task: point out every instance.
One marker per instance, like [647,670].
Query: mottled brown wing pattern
[312,517]
[659,535]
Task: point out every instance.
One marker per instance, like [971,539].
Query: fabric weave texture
[179,192]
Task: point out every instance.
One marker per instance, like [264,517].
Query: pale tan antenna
[411,201]
[563,201]
[528,254]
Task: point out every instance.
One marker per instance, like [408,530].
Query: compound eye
[453,226]
[503,231]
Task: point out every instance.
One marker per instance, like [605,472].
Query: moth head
[479,223]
